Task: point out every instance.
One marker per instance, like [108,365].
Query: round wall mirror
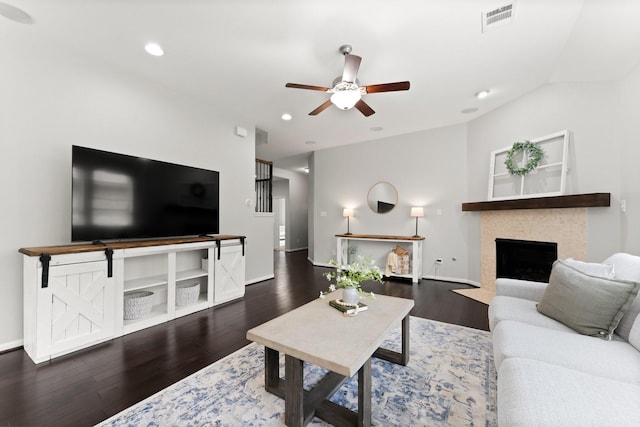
[382,197]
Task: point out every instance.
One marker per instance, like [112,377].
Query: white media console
[74,295]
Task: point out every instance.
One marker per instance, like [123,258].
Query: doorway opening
[279,224]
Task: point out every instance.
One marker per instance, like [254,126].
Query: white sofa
[550,375]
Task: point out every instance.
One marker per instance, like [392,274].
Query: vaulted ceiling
[238,55]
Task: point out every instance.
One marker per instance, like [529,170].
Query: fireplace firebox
[525,259]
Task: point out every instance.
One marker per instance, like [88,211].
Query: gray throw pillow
[587,304]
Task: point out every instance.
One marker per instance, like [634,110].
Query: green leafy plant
[533,152]
[351,252]
[352,275]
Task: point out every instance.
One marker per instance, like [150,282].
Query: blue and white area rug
[450,381]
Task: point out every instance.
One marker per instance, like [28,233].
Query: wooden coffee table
[321,335]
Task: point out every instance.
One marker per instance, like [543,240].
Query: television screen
[115,196]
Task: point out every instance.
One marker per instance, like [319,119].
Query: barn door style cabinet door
[229,273]
[71,306]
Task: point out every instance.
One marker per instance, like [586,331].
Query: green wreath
[534,154]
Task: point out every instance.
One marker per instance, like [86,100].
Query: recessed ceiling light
[469,110]
[376,129]
[153,49]
[286,117]
[482,94]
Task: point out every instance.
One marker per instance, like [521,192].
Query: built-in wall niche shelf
[568,201]
[74,294]
[415,242]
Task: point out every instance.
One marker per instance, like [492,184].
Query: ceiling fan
[346,91]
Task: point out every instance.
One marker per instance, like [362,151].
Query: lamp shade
[348,212]
[417,212]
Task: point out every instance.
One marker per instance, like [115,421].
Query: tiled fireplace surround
[567,227]
[559,219]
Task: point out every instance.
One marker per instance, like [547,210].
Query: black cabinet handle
[44,259]
[109,253]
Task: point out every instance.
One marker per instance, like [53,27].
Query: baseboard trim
[11,345]
[319,264]
[259,279]
[296,249]
[428,277]
[454,280]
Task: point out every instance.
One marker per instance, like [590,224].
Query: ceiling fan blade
[388,87]
[351,66]
[321,108]
[364,108]
[309,87]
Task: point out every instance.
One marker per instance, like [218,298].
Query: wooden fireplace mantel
[569,201]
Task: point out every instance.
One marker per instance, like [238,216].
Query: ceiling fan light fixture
[346,92]
[345,100]
[345,95]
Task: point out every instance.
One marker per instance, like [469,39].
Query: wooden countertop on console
[381,237]
[88,247]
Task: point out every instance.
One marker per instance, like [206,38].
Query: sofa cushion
[627,267]
[533,393]
[520,310]
[630,316]
[592,268]
[616,360]
[520,288]
[634,336]
[590,305]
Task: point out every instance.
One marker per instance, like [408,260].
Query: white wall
[50,101]
[427,168]
[591,111]
[297,196]
[259,261]
[442,168]
[311,197]
[628,155]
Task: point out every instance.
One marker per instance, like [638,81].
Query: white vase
[350,296]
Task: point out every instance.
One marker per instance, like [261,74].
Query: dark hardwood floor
[88,386]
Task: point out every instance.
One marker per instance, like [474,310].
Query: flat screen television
[118,197]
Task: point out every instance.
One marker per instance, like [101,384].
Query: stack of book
[348,309]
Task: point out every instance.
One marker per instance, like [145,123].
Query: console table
[416,250]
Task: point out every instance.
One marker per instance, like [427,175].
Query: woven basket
[137,304]
[187,293]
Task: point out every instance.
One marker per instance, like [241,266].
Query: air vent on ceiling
[497,17]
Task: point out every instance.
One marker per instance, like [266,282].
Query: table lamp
[348,212]
[417,212]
